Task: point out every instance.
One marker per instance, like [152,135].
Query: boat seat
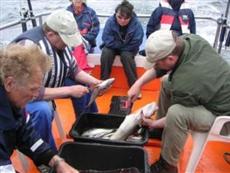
[57,119]
[200,139]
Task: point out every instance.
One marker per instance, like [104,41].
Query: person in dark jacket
[172,15]
[87,21]
[122,36]
[194,92]
[22,69]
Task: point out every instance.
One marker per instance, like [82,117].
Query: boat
[212,160]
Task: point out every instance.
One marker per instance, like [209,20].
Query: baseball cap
[63,22]
[158,46]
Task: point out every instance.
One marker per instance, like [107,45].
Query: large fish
[99,88]
[131,121]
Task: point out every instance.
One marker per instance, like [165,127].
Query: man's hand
[133,93]
[61,166]
[78,90]
[148,122]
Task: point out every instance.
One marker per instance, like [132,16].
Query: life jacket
[168,19]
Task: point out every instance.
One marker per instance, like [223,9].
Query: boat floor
[211,162]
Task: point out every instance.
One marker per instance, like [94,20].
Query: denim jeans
[42,114]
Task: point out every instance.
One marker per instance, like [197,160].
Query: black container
[120,106]
[101,157]
[91,120]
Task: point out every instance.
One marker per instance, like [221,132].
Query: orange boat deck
[211,162]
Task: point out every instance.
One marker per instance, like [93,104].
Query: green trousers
[179,120]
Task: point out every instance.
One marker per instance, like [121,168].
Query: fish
[132,121]
[98,133]
[99,88]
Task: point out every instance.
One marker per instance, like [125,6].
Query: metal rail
[41,15]
[220,22]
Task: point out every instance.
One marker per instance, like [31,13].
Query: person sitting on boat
[87,21]
[195,91]
[55,37]
[22,72]
[122,35]
[172,15]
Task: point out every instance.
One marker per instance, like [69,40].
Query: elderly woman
[22,69]
[87,21]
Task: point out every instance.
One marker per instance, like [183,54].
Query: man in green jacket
[195,90]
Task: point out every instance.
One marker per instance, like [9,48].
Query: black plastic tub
[102,157]
[91,120]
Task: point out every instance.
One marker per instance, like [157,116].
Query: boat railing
[221,25]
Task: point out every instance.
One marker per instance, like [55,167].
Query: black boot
[161,166]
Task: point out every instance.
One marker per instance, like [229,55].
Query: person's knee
[106,51]
[127,56]
[174,114]
[45,109]
[42,111]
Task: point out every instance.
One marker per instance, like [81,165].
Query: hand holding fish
[147,122]
[78,90]
[131,121]
[99,89]
[153,124]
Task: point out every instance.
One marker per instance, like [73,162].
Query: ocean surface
[10,11]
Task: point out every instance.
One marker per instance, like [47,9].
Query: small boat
[212,160]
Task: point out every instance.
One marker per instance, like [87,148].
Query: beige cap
[63,22]
[158,46]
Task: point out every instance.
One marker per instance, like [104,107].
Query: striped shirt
[63,63]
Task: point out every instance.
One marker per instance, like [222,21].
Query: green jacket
[201,77]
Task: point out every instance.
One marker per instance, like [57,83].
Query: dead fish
[131,121]
[98,88]
[97,133]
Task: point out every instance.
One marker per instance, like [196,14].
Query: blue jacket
[182,20]
[112,39]
[87,20]
[16,131]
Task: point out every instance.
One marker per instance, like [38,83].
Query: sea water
[10,11]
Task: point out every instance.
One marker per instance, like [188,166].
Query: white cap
[63,22]
[158,46]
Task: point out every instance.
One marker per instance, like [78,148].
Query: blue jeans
[79,104]
[42,114]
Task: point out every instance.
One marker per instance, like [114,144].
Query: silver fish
[98,88]
[131,121]
[98,133]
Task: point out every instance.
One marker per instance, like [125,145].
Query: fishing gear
[227,43]
[24,18]
[224,27]
[31,15]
